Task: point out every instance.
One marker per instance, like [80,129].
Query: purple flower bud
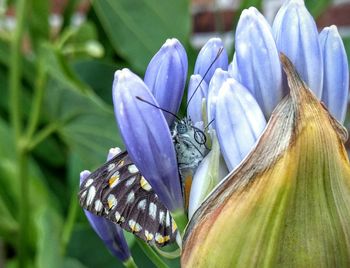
[216,82]
[206,58]
[296,36]
[239,122]
[147,137]
[336,72]
[166,76]
[258,61]
[233,69]
[110,233]
[197,90]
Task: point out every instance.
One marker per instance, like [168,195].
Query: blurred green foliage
[67,122]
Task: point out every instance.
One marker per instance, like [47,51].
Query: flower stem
[40,84]
[41,135]
[129,263]
[15,114]
[157,261]
[69,223]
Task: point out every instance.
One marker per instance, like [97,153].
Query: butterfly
[118,192]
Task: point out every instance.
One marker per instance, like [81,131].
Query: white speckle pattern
[83,194]
[167,220]
[89,182]
[133,169]
[118,217]
[131,197]
[130,181]
[161,216]
[98,205]
[91,195]
[135,227]
[112,201]
[142,204]
[152,210]
[111,167]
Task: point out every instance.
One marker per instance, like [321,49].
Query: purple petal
[206,58]
[147,137]
[258,60]
[166,76]
[110,233]
[233,69]
[239,122]
[197,90]
[216,82]
[296,36]
[336,72]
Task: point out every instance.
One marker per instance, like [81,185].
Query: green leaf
[87,126]
[137,29]
[48,247]
[98,75]
[317,7]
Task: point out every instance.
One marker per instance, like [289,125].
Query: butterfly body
[190,146]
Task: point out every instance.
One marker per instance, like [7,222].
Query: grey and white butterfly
[118,192]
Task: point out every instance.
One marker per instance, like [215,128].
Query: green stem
[40,85]
[129,263]
[15,68]
[24,209]
[69,223]
[157,261]
[15,114]
[43,134]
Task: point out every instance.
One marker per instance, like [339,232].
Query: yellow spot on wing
[144,184]
[149,236]
[174,226]
[135,227]
[162,239]
[113,180]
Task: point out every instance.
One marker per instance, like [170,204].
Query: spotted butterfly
[118,192]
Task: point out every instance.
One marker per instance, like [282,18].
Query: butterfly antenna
[205,74]
[155,106]
[209,124]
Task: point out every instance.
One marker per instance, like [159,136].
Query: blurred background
[57,60]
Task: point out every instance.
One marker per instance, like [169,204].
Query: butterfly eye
[200,137]
[181,128]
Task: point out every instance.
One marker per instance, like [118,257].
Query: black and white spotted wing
[118,192]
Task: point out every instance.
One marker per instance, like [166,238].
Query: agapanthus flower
[143,126]
[235,99]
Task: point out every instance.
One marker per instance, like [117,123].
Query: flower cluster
[238,98]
